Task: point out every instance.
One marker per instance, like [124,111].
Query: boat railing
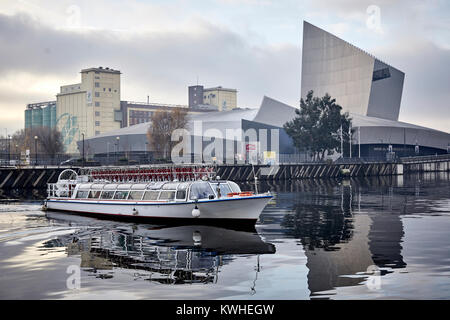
[158,173]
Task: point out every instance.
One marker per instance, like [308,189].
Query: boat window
[181,194]
[182,191]
[138,186]
[170,186]
[112,186]
[82,194]
[151,195]
[156,185]
[200,190]
[85,186]
[97,186]
[135,195]
[107,195]
[121,195]
[234,186]
[94,194]
[167,195]
[223,187]
[124,187]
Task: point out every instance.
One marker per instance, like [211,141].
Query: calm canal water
[377,238]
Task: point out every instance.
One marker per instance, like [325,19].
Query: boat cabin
[165,191]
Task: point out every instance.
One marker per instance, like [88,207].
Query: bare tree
[49,140]
[162,125]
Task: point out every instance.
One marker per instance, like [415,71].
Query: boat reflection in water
[165,254]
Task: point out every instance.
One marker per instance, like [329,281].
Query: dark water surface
[378,238]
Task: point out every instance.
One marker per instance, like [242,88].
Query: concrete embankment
[38,177]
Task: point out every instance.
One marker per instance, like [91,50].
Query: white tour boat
[187,193]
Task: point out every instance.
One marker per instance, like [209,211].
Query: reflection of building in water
[341,235]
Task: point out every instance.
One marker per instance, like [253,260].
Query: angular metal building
[360,83]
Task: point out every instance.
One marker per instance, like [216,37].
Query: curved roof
[237,114]
[140,128]
[275,113]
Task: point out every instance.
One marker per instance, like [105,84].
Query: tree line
[49,141]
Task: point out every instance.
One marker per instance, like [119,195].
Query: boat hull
[245,208]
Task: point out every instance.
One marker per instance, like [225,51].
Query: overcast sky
[162,46]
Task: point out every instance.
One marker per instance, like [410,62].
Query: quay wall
[38,177]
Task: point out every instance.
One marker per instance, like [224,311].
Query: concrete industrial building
[139,112]
[93,107]
[90,107]
[223,99]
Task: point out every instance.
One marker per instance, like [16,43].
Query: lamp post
[35,150]
[350,139]
[117,148]
[82,160]
[9,149]
[107,152]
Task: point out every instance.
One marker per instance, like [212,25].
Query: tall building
[90,107]
[41,114]
[360,83]
[223,98]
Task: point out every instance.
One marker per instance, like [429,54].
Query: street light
[35,150]
[117,148]
[9,149]
[82,161]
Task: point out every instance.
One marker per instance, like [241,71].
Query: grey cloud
[161,61]
[166,63]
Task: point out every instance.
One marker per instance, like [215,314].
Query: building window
[381,74]
[97,104]
[97,133]
[97,77]
[97,123]
[97,84]
[97,94]
[104,89]
[109,89]
[97,113]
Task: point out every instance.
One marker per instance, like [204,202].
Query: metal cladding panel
[382,131]
[28,118]
[36,117]
[274,113]
[334,66]
[46,117]
[53,116]
[386,93]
